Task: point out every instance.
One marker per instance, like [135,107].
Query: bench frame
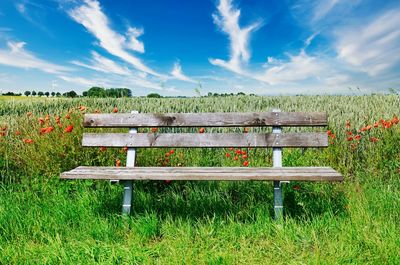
[276,158]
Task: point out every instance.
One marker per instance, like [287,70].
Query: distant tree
[53,94]
[40,93]
[96,92]
[27,93]
[33,93]
[11,94]
[241,94]
[85,93]
[209,94]
[58,94]
[70,94]
[154,95]
[47,94]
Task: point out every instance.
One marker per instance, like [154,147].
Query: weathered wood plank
[206,119]
[205,140]
[222,173]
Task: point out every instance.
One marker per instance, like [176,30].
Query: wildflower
[357,137]
[395,120]
[69,129]
[28,141]
[296,187]
[68,116]
[202,130]
[230,148]
[329,132]
[57,118]
[118,163]
[47,118]
[236,158]
[167,154]
[349,133]
[238,152]
[43,130]
[49,129]
[82,108]
[243,152]
[374,139]
[332,135]
[103,149]
[167,181]
[368,127]
[171,152]
[350,138]
[227,155]
[115,110]
[154,130]
[347,124]
[376,124]
[245,130]
[41,121]
[125,149]
[245,163]
[17,133]
[388,124]
[244,156]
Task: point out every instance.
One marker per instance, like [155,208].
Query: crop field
[45,220]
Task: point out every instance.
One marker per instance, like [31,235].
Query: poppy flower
[227,155]
[328,132]
[376,124]
[332,135]
[374,139]
[102,149]
[347,124]
[17,133]
[154,130]
[167,181]
[246,163]
[369,127]
[350,138]
[357,137]
[296,187]
[202,130]
[49,129]
[118,163]
[68,116]
[47,118]
[236,158]
[28,141]
[238,152]
[349,133]
[82,108]
[244,153]
[41,121]
[171,152]
[125,149]
[230,148]
[395,119]
[115,110]
[69,129]
[244,156]
[246,130]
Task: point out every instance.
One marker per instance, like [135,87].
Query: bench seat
[205,173]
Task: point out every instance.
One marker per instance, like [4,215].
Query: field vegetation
[45,220]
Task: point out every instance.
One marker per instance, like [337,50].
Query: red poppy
[202,130]
[115,110]
[17,133]
[230,148]
[118,163]
[246,163]
[246,130]
[349,133]
[125,149]
[227,155]
[369,127]
[154,130]
[68,116]
[376,124]
[171,152]
[374,139]
[82,108]
[41,121]
[102,149]
[347,124]
[236,158]
[47,118]
[350,138]
[69,129]
[329,132]
[49,129]
[296,187]
[357,137]
[395,119]
[244,156]
[238,152]
[28,141]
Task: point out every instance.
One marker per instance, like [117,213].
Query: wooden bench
[275,140]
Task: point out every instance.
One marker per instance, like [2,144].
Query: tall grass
[46,220]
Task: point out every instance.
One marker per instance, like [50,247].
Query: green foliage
[47,220]
[154,95]
[99,92]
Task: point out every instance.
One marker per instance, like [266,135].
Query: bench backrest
[254,119]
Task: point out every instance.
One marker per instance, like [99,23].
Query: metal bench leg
[278,202]
[127,201]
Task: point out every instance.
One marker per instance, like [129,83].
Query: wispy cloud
[227,19]
[372,47]
[80,81]
[96,22]
[178,74]
[17,56]
[103,64]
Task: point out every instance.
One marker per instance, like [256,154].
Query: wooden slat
[205,173]
[205,140]
[206,119]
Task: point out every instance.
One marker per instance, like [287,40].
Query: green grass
[44,220]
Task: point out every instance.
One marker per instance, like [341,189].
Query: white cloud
[372,47]
[178,74]
[17,56]
[323,7]
[80,81]
[96,22]
[297,68]
[105,65]
[227,19]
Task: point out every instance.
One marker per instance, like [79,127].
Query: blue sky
[223,46]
